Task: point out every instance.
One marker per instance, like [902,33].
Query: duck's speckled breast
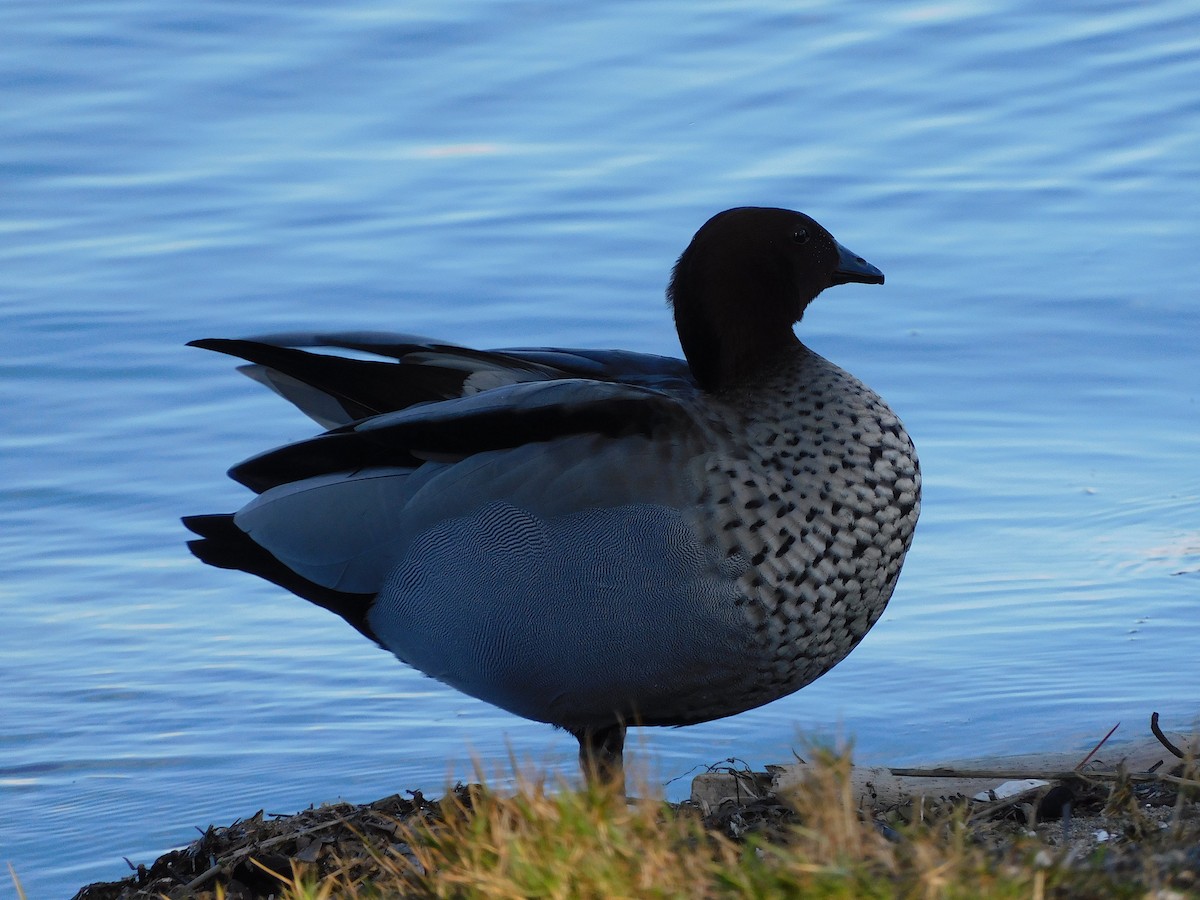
[815,483]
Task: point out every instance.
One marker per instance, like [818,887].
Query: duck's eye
[800,236]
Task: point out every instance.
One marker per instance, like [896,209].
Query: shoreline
[1129,810]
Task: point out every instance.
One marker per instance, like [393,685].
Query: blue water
[526,173]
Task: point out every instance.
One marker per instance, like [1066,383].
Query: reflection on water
[1027,178]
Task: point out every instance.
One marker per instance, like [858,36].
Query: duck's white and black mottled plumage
[595,538]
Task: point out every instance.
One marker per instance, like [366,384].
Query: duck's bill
[853,268]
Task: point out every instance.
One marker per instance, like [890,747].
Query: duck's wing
[533,545]
[337,390]
[451,430]
[623,366]
[335,508]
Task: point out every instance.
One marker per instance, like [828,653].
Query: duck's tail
[224,545]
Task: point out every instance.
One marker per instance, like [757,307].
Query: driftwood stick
[1020,775]
[1162,738]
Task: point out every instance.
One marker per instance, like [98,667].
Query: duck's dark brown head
[745,280]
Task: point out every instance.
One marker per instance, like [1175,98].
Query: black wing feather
[498,419]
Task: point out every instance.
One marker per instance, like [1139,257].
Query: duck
[594,539]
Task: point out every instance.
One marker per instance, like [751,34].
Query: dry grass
[554,842]
[585,844]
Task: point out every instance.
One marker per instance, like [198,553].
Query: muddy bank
[1129,812]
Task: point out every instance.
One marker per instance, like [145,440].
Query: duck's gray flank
[597,538]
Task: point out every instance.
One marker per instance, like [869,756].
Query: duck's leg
[600,755]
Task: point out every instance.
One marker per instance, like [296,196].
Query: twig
[1162,738]
[990,809]
[1096,749]
[204,876]
[212,871]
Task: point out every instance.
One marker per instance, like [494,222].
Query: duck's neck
[733,317]
[734,364]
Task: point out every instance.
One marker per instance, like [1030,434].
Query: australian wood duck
[596,538]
